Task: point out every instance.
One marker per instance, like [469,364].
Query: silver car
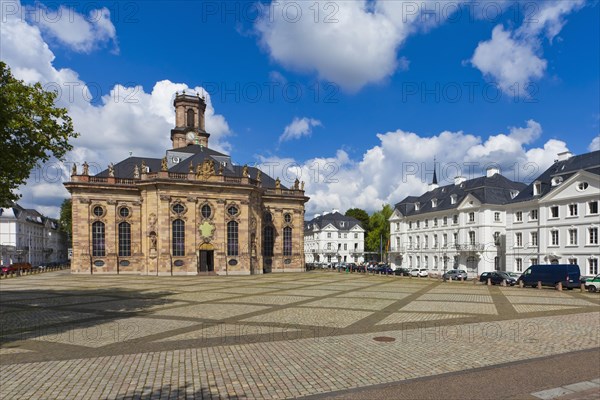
[455,274]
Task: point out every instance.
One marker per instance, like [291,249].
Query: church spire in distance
[434,181]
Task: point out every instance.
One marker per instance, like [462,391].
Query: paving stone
[551,393]
[451,307]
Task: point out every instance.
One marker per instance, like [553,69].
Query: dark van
[551,275]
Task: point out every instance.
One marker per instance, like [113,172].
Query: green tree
[361,215]
[379,229]
[32,131]
[66,218]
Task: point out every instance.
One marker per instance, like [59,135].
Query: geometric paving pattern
[268,336]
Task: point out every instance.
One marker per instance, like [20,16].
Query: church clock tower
[189,121]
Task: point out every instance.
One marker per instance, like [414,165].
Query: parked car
[455,274]
[496,278]
[384,269]
[552,275]
[402,271]
[422,272]
[515,275]
[593,284]
[7,269]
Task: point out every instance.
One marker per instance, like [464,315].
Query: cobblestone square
[270,336]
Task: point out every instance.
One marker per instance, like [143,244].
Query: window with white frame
[339,235]
[445,220]
[533,215]
[418,224]
[426,223]
[592,266]
[453,199]
[435,262]
[345,246]
[554,212]
[356,236]
[496,263]
[471,217]
[455,237]
[397,226]
[425,241]
[435,241]
[496,238]
[445,240]
[409,224]
[519,216]
[417,206]
[455,219]
[533,238]
[537,188]
[435,222]
[573,212]
[533,261]
[434,203]
[518,239]
[328,235]
[519,264]
[410,242]
[592,207]
[497,216]
[572,237]
[426,262]
[328,246]
[554,238]
[472,237]
[593,235]
[573,260]
[418,242]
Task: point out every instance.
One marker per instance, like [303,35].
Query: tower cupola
[189,121]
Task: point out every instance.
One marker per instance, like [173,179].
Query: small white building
[454,226]
[28,236]
[555,219]
[333,237]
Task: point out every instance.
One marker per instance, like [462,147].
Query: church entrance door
[206,261]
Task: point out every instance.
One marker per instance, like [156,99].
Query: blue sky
[383,86]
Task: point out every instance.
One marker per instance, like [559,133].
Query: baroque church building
[191,212]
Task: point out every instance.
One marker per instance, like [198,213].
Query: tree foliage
[32,130]
[379,232]
[66,217]
[361,215]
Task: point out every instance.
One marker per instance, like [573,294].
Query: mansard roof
[589,162]
[335,219]
[496,189]
[197,155]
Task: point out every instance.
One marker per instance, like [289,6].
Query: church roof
[197,154]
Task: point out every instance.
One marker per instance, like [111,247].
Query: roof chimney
[459,179]
[491,171]
[432,186]
[565,155]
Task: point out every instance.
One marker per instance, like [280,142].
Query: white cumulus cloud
[595,144]
[298,128]
[513,59]
[78,32]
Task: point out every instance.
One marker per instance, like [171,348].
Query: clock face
[190,136]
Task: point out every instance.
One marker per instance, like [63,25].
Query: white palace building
[492,223]
[332,238]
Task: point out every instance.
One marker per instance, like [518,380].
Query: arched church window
[98,249]
[124,239]
[232,238]
[287,241]
[178,238]
[268,241]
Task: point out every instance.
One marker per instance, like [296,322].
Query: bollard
[559,286]
[539,284]
[582,287]
[503,282]
[521,284]
[461,279]
[489,281]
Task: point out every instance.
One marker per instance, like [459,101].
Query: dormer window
[453,199]
[557,180]
[513,193]
[417,207]
[434,203]
[537,188]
